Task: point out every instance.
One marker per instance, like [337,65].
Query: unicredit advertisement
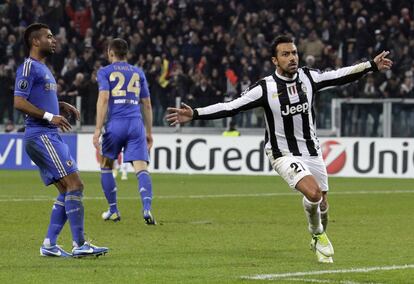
[215,154]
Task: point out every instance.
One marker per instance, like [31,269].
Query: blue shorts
[126,133]
[51,155]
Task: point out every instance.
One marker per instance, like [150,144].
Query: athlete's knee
[314,194]
[78,186]
[73,182]
[107,163]
[140,166]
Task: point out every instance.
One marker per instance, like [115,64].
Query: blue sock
[57,221]
[145,189]
[75,212]
[109,188]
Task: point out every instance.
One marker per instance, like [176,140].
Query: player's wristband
[374,66]
[48,116]
[195,114]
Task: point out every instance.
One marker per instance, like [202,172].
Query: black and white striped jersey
[288,106]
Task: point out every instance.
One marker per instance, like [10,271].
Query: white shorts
[293,168]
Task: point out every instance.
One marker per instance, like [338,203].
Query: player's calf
[324,207]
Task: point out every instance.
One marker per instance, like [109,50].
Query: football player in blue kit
[122,88]
[35,95]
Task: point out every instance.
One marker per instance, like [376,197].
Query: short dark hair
[119,46]
[278,40]
[31,32]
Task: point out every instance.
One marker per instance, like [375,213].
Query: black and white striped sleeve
[251,98]
[340,76]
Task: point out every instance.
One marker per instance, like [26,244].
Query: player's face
[286,59]
[47,42]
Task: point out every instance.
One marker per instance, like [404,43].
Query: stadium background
[209,51]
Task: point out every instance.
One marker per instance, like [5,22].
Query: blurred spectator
[311,45]
[69,66]
[245,118]
[6,94]
[231,131]
[373,111]
[89,94]
[81,16]
[74,89]
[203,95]
[159,97]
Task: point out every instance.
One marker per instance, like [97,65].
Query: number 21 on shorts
[297,167]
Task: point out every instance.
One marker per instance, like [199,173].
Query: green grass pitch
[212,229]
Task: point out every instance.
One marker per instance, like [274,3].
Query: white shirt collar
[286,78]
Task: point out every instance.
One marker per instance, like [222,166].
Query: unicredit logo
[334,155]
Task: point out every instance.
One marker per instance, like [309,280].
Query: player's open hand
[179,115]
[382,62]
[66,108]
[61,122]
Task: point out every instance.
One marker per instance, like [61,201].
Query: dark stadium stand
[209,51]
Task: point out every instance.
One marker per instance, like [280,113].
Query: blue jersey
[36,84]
[126,85]
[45,147]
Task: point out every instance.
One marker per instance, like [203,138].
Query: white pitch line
[321,272]
[205,196]
[327,281]
[309,280]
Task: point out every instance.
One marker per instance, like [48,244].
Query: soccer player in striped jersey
[122,88]
[35,95]
[291,143]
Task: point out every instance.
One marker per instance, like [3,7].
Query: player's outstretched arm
[348,74]
[179,115]
[250,98]
[26,107]
[65,107]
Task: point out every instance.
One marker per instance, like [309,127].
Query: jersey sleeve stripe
[270,123]
[26,67]
[310,144]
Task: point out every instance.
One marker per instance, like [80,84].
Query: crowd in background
[208,51]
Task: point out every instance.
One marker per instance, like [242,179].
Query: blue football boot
[148,218]
[88,249]
[54,251]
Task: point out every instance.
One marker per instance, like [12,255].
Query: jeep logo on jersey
[295,109]
[334,155]
[23,84]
